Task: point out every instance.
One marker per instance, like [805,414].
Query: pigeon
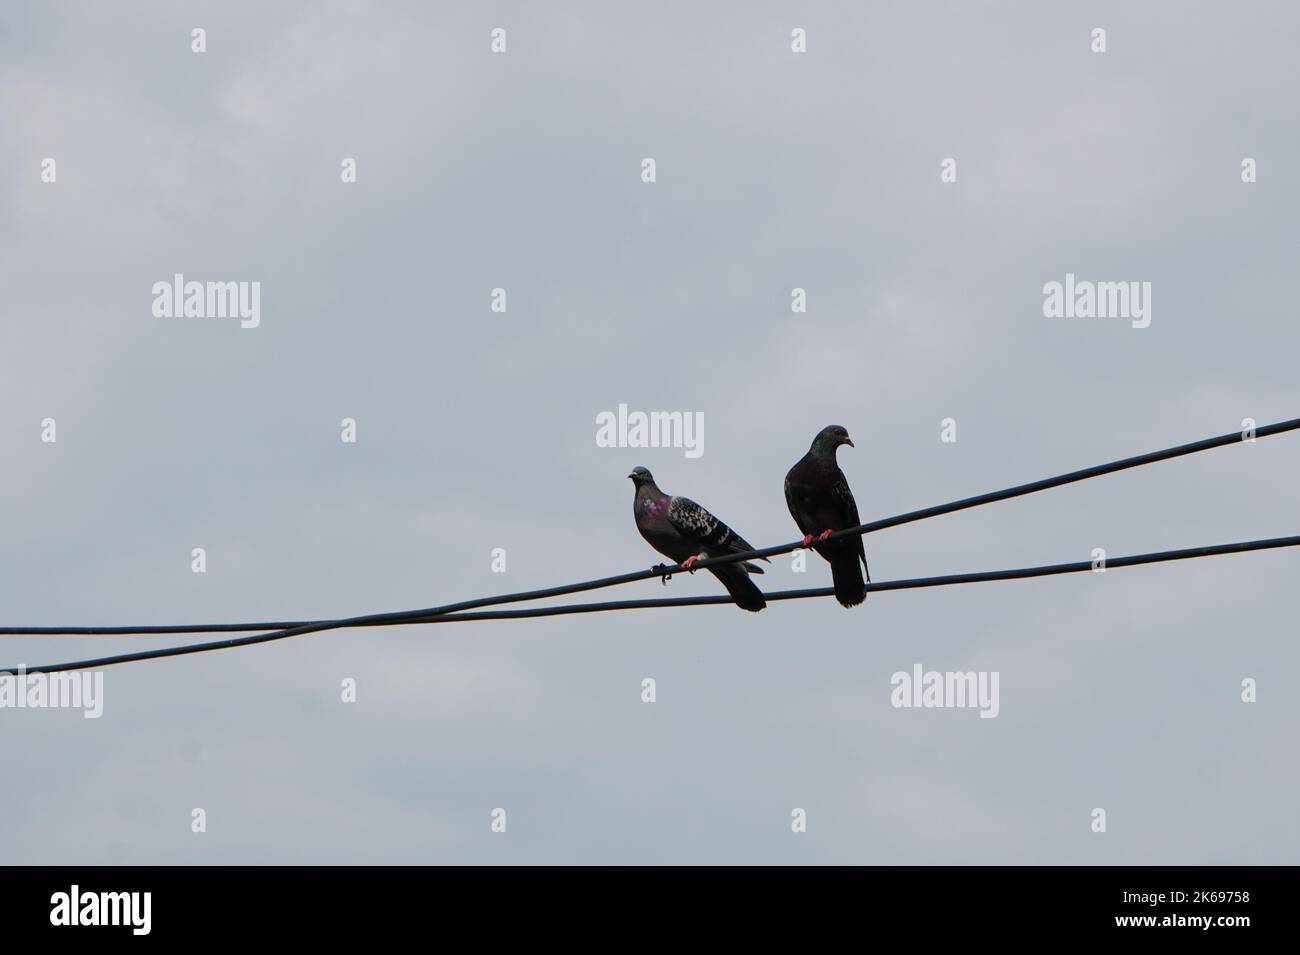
[684,532]
[820,502]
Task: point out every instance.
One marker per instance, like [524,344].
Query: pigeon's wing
[704,530]
[843,497]
[844,500]
[790,503]
[805,494]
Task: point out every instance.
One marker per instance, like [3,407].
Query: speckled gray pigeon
[684,532]
[820,502]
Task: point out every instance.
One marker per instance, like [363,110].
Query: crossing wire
[460,610]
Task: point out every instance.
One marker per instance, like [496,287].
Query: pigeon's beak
[633,476]
[849,443]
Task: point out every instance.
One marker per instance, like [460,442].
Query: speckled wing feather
[697,525]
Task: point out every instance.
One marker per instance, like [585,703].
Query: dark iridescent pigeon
[820,502]
[684,532]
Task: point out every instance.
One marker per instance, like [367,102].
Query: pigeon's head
[831,437]
[641,476]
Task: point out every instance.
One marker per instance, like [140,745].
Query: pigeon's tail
[850,588]
[741,588]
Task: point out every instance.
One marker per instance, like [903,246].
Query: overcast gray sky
[476,430]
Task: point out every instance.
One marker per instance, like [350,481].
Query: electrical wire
[419,616]
[429,615]
[1019,573]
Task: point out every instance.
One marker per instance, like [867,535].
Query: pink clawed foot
[807,539]
[824,534]
[689,562]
